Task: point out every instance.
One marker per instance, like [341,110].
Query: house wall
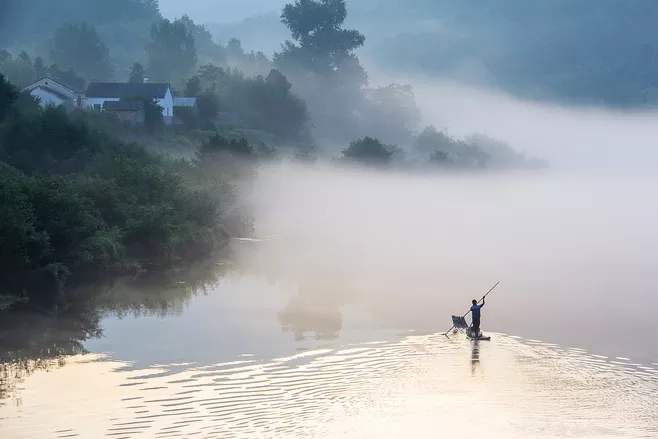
[167,104]
[47,98]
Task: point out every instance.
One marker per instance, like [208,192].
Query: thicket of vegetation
[77,203]
[260,103]
[474,152]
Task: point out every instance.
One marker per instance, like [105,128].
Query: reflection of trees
[301,317]
[317,306]
[32,340]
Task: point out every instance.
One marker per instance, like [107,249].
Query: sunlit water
[413,386]
[330,325]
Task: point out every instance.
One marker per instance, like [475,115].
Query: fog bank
[567,136]
[574,251]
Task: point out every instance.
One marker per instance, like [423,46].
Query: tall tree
[321,44]
[171,52]
[137,74]
[79,47]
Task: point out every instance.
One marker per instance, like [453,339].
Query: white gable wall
[167,104]
[51,93]
[47,98]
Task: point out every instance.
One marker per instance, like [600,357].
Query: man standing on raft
[475,318]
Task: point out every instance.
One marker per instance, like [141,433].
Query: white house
[49,92]
[98,93]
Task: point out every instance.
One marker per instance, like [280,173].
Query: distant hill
[586,51]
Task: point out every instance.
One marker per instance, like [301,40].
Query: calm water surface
[337,334]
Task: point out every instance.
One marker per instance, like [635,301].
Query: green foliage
[219,144]
[153,119]
[193,86]
[323,46]
[137,74]
[76,202]
[266,104]
[369,151]
[8,95]
[172,54]
[22,71]
[476,152]
[208,51]
[47,143]
[17,69]
[79,47]
[445,151]
[208,108]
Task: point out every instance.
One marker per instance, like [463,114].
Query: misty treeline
[573,51]
[77,203]
[314,92]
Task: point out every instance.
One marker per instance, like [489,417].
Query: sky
[219,11]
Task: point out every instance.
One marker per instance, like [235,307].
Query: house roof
[123,90]
[123,106]
[50,83]
[184,102]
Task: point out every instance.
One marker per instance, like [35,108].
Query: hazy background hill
[587,51]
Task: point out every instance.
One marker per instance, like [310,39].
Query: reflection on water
[41,340]
[475,356]
[416,386]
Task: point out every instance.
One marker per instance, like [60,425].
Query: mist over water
[573,244]
[582,138]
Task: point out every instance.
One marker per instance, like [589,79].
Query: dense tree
[19,70]
[137,74]
[207,50]
[8,95]
[193,86]
[79,47]
[172,54]
[208,108]
[219,144]
[475,152]
[153,119]
[322,64]
[266,104]
[369,151]
[322,45]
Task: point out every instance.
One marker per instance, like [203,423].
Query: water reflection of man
[475,356]
[475,317]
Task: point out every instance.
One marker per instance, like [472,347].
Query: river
[328,323]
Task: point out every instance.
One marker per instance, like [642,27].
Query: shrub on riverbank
[77,203]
